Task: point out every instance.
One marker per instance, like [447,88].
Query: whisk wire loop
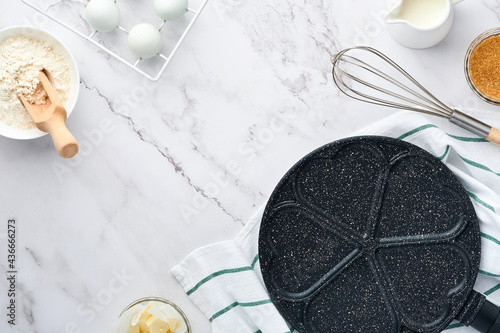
[419,99]
[359,95]
[416,104]
[365,66]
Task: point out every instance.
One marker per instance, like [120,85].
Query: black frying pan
[373,234]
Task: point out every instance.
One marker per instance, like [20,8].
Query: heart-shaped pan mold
[373,234]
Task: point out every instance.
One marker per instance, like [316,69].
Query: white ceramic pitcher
[420,24]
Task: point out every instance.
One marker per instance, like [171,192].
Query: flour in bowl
[21,59]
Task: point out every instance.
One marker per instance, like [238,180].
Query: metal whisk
[355,75]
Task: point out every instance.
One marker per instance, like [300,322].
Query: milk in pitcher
[424,13]
[420,23]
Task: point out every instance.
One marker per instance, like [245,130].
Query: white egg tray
[70,14]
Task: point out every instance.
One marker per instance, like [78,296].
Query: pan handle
[487,319]
[480,314]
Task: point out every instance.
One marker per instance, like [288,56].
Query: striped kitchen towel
[224,279]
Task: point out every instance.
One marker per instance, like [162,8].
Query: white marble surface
[166,167]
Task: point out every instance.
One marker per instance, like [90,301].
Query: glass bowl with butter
[152,315]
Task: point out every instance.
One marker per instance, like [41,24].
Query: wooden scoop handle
[64,141]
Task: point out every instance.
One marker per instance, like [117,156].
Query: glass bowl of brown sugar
[482,66]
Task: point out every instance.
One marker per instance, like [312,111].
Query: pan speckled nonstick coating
[372,234]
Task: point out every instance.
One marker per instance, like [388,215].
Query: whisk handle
[469,123]
[494,136]
[475,126]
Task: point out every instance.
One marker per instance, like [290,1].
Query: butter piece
[173,323]
[135,325]
[157,325]
[135,329]
[143,321]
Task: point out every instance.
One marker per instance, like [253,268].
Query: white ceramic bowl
[69,104]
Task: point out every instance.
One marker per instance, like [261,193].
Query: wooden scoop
[51,118]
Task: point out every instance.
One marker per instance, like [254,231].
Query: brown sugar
[484,67]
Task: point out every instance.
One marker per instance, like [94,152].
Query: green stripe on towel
[475,197]
[254,261]
[445,152]
[478,165]
[452,326]
[235,304]
[488,273]
[213,275]
[467,139]
[492,290]
[456,137]
[491,238]
[418,129]
[222,272]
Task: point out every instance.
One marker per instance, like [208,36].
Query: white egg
[170,9]
[144,40]
[102,15]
